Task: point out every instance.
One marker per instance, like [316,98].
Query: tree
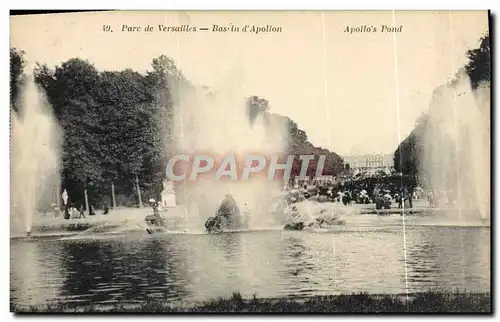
[479,66]
[71,90]
[256,106]
[298,144]
[75,79]
[117,125]
[133,141]
[161,80]
[407,155]
[17,65]
[163,65]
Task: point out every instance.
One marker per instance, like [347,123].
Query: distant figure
[82,212]
[91,211]
[330,193]
[399,199]
[363,197]
[66,212]
[106,210]
[387,200]
[340,195]
[431,197]
[154,205]
[379,201]
[346,198]
[154,219]
[408,194]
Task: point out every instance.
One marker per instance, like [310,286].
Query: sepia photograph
[250,161]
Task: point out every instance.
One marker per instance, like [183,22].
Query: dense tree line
[406,156]
[115,125]
[298,143]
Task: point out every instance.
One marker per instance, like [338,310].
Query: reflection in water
[259,261]
[343,263]
[34,272]
[460,257]
[422,263]
[111,271]
[301,269]
[212,264]
[269,264]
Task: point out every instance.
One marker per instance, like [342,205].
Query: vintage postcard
[250,161]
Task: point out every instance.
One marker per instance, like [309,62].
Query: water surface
[367,256]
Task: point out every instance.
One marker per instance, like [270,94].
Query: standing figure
[155,218]
[399,199]
[82,212]
[66,212]
[431,198]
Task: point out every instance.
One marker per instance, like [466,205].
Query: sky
[352,93]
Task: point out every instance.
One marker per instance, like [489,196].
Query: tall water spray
[217,122]
[455,156]
[35,142]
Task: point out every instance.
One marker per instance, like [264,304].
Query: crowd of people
[381,191]
[72,211]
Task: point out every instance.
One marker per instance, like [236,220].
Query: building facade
[369,163]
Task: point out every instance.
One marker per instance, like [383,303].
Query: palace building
[369,163]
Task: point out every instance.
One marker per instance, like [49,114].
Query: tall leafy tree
[17,65]
[407,155]
[71,90]
[161,82]
[479,66]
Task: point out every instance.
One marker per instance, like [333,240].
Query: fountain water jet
[35,142]
[218,122]
[455,156]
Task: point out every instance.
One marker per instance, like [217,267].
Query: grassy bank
[419,302]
